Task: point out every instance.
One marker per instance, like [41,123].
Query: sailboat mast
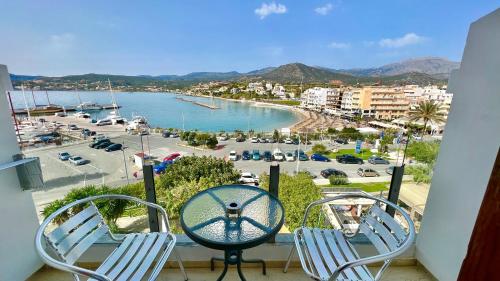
[33,96]
[113,100]
[25,102]
[47,95]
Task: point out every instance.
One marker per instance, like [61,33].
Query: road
[109,167]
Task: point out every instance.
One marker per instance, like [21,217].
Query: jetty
[198,103]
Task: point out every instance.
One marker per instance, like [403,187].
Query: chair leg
[289,258]
[181,266]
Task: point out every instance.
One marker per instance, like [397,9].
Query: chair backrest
[73,237]
[385,233]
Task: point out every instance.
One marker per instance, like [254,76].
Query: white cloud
[406,40]
[271,8]
[62,41]
[324,10]
[339,45]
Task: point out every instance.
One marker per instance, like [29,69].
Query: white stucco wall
[468,150]
[18,259]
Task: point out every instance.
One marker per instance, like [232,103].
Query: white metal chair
[327,254]
[130,260]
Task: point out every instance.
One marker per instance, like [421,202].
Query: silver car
[377,160]
[77,160]
[367,172]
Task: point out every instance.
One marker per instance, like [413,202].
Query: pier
[199,103]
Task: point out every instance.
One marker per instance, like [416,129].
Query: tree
[276,135]
[424,152]
[427,111]
[351,133]
[319,149]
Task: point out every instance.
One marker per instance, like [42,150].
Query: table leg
[256,261]
[212,262]
[223,272]
[235,257]
[240,274]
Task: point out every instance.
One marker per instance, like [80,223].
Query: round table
[232,218]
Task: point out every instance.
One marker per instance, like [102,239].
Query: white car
[222,138]
[233,156]
[77,160]
[288,141]
[289,157]
[254,140]
[81,114]
[103,122]
[249,178]
[278,155]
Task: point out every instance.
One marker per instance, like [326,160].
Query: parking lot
[109,167]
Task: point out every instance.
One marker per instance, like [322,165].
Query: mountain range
[419,71]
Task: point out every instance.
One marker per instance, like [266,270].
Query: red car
[171,157]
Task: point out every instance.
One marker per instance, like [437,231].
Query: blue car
[160,168]
[319,157]
[246,155]
[63,156]
[256,155]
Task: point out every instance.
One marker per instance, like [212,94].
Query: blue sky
[178,37]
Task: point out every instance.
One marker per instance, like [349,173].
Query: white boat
[115,118]
[81,114]
[89,106]
[138,123]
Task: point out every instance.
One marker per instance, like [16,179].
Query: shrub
[338,180]
[424,152]
[193,168]
[296,193]
[319,149]
[421,173]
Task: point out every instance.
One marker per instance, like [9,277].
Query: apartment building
[321,99]
[416,94]
[356,101]
[388,103]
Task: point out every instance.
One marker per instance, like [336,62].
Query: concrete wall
[468,150]
[18,259]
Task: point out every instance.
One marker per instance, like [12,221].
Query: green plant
[319,149]
[193,168]
[427,111]
[424,152]
[421,173]
[338,180]
[296,193]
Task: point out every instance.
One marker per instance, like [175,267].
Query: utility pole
[125,162]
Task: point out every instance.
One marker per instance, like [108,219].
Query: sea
[165,110]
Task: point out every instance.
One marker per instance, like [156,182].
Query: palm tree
[427,111]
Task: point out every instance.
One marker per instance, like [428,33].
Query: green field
[285,102]
[367,187]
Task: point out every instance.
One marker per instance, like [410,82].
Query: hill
[437,67]
[297,72]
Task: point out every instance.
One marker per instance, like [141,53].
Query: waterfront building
[388,103]
[321,99]
[279,91]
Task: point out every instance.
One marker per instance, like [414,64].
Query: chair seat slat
[116,255]
[132,250]
[335,249]
[139,256]
[348,253]
[313,252]
[374,238]
[323,248]
[148,260]
[78,234]
[83,245]
[60,232]
[383,232]
[389,221]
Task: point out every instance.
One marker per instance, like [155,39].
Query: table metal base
[234,257]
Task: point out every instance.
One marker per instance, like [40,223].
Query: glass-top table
[232,218]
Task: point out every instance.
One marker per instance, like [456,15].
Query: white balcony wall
[18,259]
[468,150]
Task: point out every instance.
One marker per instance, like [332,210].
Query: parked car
[99,142]
[268,156]
[240,139]
[254,140]
[174,135]
[77,160]
[249,178]
[289,157]
[160,168]
[73,127]
[256,154]
[63,156]
[326,173]
[377,160]
[390,170]
[302,155]
[222,138]
[288,141]
[319,157]
[165,134]
[245,155]
[262,140]
[113,147]
[278,155]
[271,140]
[349,159]
[233,156]
[103,145]
[103,122]
[367,172]
[172,156]
[341,141]
[99,137]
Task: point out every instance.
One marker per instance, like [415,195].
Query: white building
[279,91]
[320,99]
